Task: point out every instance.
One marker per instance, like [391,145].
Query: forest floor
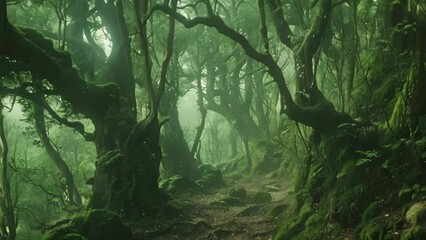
[209,214]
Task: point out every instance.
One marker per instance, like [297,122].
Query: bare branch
[169,52]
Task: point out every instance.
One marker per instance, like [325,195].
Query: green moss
[177,184]
[371,212]
[314,226]
[266,155]
[414,233]
[294,224]
[416,214]
[373,230]
[73,236]
[210,176]
[91,225]
[60,232]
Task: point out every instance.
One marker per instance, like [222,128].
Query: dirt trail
[205,215]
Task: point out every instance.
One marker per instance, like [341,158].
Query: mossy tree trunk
[178,159]
[411,101]
[129,153]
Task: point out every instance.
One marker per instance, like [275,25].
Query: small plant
[368,156]
[416,191]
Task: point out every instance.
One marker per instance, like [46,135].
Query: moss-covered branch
[32,49]
[22,92]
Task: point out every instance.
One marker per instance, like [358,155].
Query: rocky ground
[241,209]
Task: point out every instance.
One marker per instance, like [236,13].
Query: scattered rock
[232,201]
[210,176]
[250,211]
[261,197]
[219,234]
[220,204]
[239,193]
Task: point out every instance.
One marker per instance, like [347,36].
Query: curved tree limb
[90,100]
[73,194]
[217,23]
[321,115]
[21,91]
[169,53]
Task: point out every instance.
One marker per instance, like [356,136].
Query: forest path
[213,214]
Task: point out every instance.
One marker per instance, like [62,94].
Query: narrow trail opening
[242,209]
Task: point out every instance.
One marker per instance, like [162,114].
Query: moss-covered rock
[239,193]
[177,184]
[91,225]
[210,176]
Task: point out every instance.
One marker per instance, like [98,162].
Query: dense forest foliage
[148,119]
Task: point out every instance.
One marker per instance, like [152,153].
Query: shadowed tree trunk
[8,221]
[177,159]
[203,112]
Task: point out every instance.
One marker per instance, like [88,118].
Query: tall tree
[129,152]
